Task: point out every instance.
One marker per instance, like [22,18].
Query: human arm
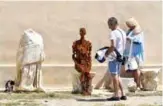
[74,52]
[111,48]
[136,39]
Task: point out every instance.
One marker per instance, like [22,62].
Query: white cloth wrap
[30,48]
[101,54]
[30,55]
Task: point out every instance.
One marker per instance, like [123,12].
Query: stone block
[149,78]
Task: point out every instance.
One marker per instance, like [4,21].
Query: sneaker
[123,98]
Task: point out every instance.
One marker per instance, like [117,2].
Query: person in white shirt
[118,42]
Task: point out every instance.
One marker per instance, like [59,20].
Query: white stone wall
[59,23]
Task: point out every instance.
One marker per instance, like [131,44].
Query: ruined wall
[59,22]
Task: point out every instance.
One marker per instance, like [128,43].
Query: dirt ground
[65,98]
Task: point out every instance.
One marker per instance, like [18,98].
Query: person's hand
[107,53]
[79,67]
[128,39]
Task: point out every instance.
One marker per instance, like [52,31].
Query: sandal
[114,99]
[123,98]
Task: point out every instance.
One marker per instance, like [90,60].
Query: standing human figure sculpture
[82,59]
[30,56]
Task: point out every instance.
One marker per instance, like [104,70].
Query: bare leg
[136,75]
[121,87]
[115,84]
[120,81]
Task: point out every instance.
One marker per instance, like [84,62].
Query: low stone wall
[57,76]
[52,76]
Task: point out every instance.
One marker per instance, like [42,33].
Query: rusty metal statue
[82,59]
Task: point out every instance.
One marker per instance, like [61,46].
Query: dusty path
[132,101]
[65,98]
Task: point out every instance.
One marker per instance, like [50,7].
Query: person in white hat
[134,50]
